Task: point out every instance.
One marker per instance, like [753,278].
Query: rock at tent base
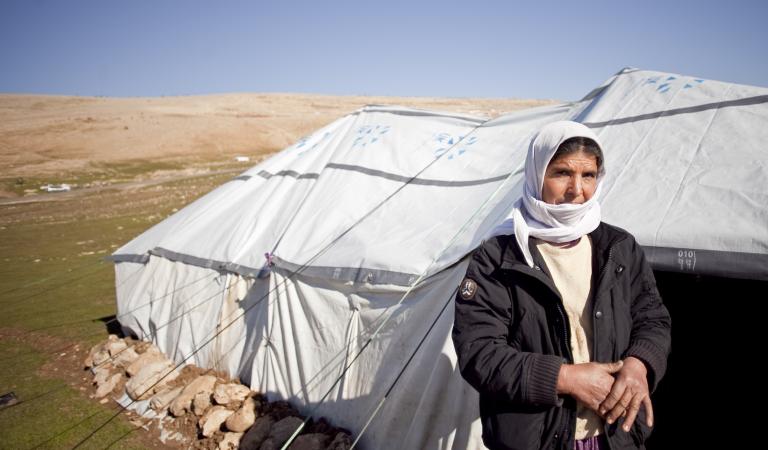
[244,417]
[115,347]
[108,386]
[201,402]
[229,392]
[183,402]
[283,430]
[212,420]
[257,434]
[162,399]
[152,355]
[125,357]
[150,379]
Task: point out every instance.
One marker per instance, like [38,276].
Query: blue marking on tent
[305,140]
[687,86]
[698,81]
[664,90]
[652,80]
[447,142]
[302,142]
[369,134]
[662,86]
[671,78]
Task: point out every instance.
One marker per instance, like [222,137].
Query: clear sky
[481,48]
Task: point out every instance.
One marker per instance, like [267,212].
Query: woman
[559,324]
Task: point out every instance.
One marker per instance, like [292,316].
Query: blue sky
[494,48]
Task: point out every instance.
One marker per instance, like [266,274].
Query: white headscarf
[531,216]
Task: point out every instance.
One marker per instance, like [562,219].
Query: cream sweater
[571,270]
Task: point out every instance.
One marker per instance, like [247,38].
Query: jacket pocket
[514,430]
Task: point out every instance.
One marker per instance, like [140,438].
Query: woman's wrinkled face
[571,178]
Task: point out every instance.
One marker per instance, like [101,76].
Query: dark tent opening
[714,320]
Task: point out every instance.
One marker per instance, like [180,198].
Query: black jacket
[511,335]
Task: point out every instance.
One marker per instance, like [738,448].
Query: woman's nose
[576,186]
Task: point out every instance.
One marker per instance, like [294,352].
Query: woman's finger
[620,407]
[634,407]
[613,397]
[648,411]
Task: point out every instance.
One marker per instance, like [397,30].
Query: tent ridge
[747,101]
[402,111]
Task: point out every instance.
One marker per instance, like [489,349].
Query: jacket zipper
[564,329]
[595,329]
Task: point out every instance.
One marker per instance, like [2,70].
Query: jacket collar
[603,238]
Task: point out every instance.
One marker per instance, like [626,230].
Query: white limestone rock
[225,393]
[101,374]
[125,357]
[201,402]
[115,347]
[183,402]
[150,379]
[108,386]
[151,356]
[162,399]
[212,420]
[244,417]
[88,363]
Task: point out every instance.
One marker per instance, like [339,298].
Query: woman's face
[571,178]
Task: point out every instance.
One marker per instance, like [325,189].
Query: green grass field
[56,295]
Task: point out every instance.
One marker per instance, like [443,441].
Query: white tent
[368,221]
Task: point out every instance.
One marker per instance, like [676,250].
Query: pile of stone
[228,415]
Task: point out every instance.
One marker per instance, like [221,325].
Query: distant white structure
[56,187]
[242,158]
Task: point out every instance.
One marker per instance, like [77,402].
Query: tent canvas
[367,224]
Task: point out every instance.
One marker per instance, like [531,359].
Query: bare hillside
[39,134]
